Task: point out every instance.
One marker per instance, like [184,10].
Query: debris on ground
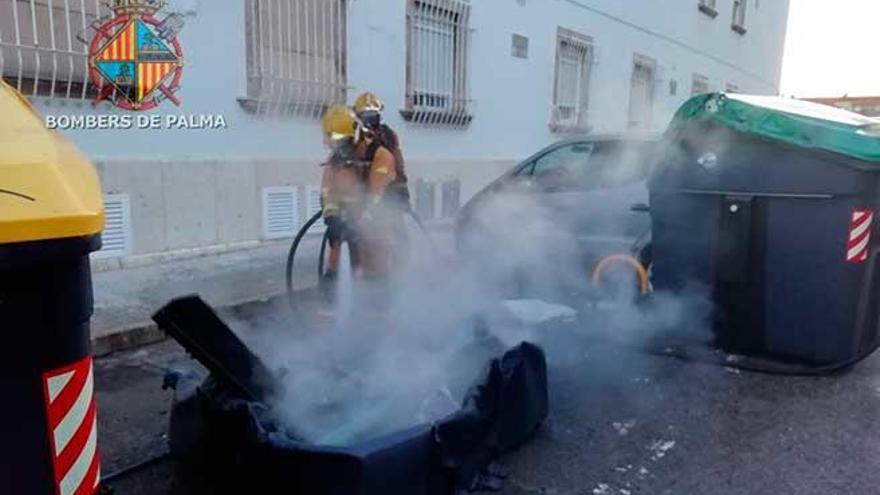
[536,311]
[623,428]
[660,448]
[602,489]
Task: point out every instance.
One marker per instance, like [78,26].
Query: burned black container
[783,234]
[225,440]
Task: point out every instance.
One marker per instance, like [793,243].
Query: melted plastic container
[225,440]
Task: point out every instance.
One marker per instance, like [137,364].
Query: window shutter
[116,236]
[279,212]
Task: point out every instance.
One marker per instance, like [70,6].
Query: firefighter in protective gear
[382,218]
[368,108]
[342,187]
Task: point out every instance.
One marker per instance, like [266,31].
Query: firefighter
[368,108]
[381,221]
[342,188]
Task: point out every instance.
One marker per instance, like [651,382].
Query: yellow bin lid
[48,189]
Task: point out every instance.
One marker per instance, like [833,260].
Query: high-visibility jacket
[380,169]
[342,188]
[398,190]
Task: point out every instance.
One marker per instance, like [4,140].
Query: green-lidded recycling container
[770,205]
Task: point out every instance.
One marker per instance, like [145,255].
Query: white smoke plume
[375,371]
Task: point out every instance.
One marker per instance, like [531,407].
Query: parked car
[593,190]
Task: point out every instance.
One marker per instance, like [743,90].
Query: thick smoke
[516,276]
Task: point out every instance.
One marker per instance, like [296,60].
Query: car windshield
[562,164]
[590,165]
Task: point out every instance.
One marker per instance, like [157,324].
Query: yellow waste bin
[51,215]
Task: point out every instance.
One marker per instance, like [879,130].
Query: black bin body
[48,425]
[225,437]
[770,229]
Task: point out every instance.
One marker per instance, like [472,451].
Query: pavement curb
[123,339]
[145,333]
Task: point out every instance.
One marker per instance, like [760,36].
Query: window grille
[296,58]
[641,100]
[44,45]
[574,55]
[438,49]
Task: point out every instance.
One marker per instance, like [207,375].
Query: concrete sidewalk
[126,299]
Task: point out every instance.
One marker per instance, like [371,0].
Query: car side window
[624,164]
[563,167]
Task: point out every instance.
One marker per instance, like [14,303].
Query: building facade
[868,106]
[471,86]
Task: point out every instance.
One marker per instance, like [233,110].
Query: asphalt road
[622,422]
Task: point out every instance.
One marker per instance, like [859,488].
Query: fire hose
[291,255]
[747,363]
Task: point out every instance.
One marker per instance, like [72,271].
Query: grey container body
[766,228]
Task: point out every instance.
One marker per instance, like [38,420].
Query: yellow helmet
[368,102]
[339,122]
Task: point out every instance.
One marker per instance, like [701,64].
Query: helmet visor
[370,118]
[335,140]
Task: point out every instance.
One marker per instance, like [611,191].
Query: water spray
[294,247]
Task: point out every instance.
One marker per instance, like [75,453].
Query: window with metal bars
[437,89]
[295,55]
[699,84]
[44,45]
[739,16]
[641,98]
[574,56]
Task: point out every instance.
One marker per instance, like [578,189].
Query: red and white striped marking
[73,428]
[859,235]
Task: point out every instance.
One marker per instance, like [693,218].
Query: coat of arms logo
[135,60]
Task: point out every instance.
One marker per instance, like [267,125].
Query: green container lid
[797,122]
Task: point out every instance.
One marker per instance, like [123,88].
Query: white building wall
[198,188]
